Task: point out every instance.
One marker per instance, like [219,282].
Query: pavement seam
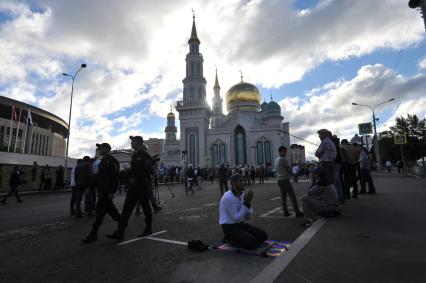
[271,272]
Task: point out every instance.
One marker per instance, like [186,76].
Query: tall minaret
[194,112]
[171,129]
[217,116]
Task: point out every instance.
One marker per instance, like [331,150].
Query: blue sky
[315,57]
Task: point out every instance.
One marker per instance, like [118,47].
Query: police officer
[107,183]
[141,167]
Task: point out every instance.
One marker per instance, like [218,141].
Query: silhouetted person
[15,182]
[34,171]
[59,182]
[107,185]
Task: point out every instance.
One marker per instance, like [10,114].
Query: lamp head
[353,103]
[83,65]
[65,74]
[392,99]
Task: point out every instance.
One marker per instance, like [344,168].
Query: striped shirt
[326,150]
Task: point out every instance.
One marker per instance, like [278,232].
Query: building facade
[45,136]
[249,134]
[297,153]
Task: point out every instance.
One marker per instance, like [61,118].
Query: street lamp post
[69,118]
[375,139]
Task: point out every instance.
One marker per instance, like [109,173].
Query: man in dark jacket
[15,181]
[107,184]
[223,178]
[141,168]
[83,175]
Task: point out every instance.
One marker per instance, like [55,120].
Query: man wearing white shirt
[235,207]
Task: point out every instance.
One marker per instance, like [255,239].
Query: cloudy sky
[314,56]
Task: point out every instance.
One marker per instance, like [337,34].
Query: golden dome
[170,115]
[243,92]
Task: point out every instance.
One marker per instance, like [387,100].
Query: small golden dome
[243,92]
[170,115]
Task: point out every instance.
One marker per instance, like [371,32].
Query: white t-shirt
[232,209]
[388,164]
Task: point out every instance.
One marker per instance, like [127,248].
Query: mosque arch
[192,152]
[240,142]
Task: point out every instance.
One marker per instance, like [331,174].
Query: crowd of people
[335,179]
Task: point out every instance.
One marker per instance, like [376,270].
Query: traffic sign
[365,128]
[400,139]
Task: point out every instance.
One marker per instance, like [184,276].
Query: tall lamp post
[69,118]
[375,140]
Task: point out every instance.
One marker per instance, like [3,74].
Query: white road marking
[271,211]
[210,204]
[166,241]
[141,238]
[275,198]
[191,209]
[279,211]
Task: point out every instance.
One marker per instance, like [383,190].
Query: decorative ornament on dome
[171,115]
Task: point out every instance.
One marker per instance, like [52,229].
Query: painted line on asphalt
[190,209]
[271,272]
[275,198]
[210,204]
[140,238]
[166,241]
[271,211]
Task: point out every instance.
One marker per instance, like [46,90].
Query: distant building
[46,136]
[155,146]
[297,153]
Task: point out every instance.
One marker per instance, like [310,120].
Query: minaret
[194,112]
[217,116]
[170,128]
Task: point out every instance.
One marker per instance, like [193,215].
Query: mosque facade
[249,134]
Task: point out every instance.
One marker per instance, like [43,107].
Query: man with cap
[107,184]
[326,154]
[141,167]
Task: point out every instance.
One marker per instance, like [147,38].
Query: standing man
[107,184]
[190,176]
[34,171]
[83,178]
[350,157]
[223,178]
[15,182]
[388,166]
[326,154]
[141,167]
[59,182]
[283,177]
[295,172]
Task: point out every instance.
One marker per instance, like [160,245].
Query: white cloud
[330,106]
[422,63]
[135,51]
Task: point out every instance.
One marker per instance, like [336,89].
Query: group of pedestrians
[106,183]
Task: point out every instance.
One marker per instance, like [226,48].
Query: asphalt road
[40,242]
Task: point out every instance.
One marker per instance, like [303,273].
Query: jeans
[244,235]
[223,184]
[287,188]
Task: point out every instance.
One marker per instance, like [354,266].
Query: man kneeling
[321,199]
[235,206]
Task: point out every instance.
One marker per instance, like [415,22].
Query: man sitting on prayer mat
[235,206]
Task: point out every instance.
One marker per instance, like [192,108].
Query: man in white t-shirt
[235,207]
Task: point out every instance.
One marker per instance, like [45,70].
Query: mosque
[249,134]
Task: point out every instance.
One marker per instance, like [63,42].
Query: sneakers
[146,232]
[117,235]
[157,208]
[197,246]
[90,238]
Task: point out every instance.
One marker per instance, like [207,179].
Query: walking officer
[107,184]
[141,167]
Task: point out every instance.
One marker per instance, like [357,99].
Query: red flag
[14,115]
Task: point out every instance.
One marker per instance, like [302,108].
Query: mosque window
[192,149]
[218,153]
[263,151]
[240,146]
[192,69]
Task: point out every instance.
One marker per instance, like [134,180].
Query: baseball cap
[136,138]
[324,131]
[103,145]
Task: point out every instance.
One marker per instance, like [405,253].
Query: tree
[412,126]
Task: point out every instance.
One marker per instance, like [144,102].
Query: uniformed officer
[141,167]
[107,183]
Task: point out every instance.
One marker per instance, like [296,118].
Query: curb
[271,272]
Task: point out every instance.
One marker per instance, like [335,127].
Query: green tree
[411,125]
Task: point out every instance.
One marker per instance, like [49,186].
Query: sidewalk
[380,238]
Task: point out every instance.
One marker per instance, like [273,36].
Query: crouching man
[235,207]
[321,199]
